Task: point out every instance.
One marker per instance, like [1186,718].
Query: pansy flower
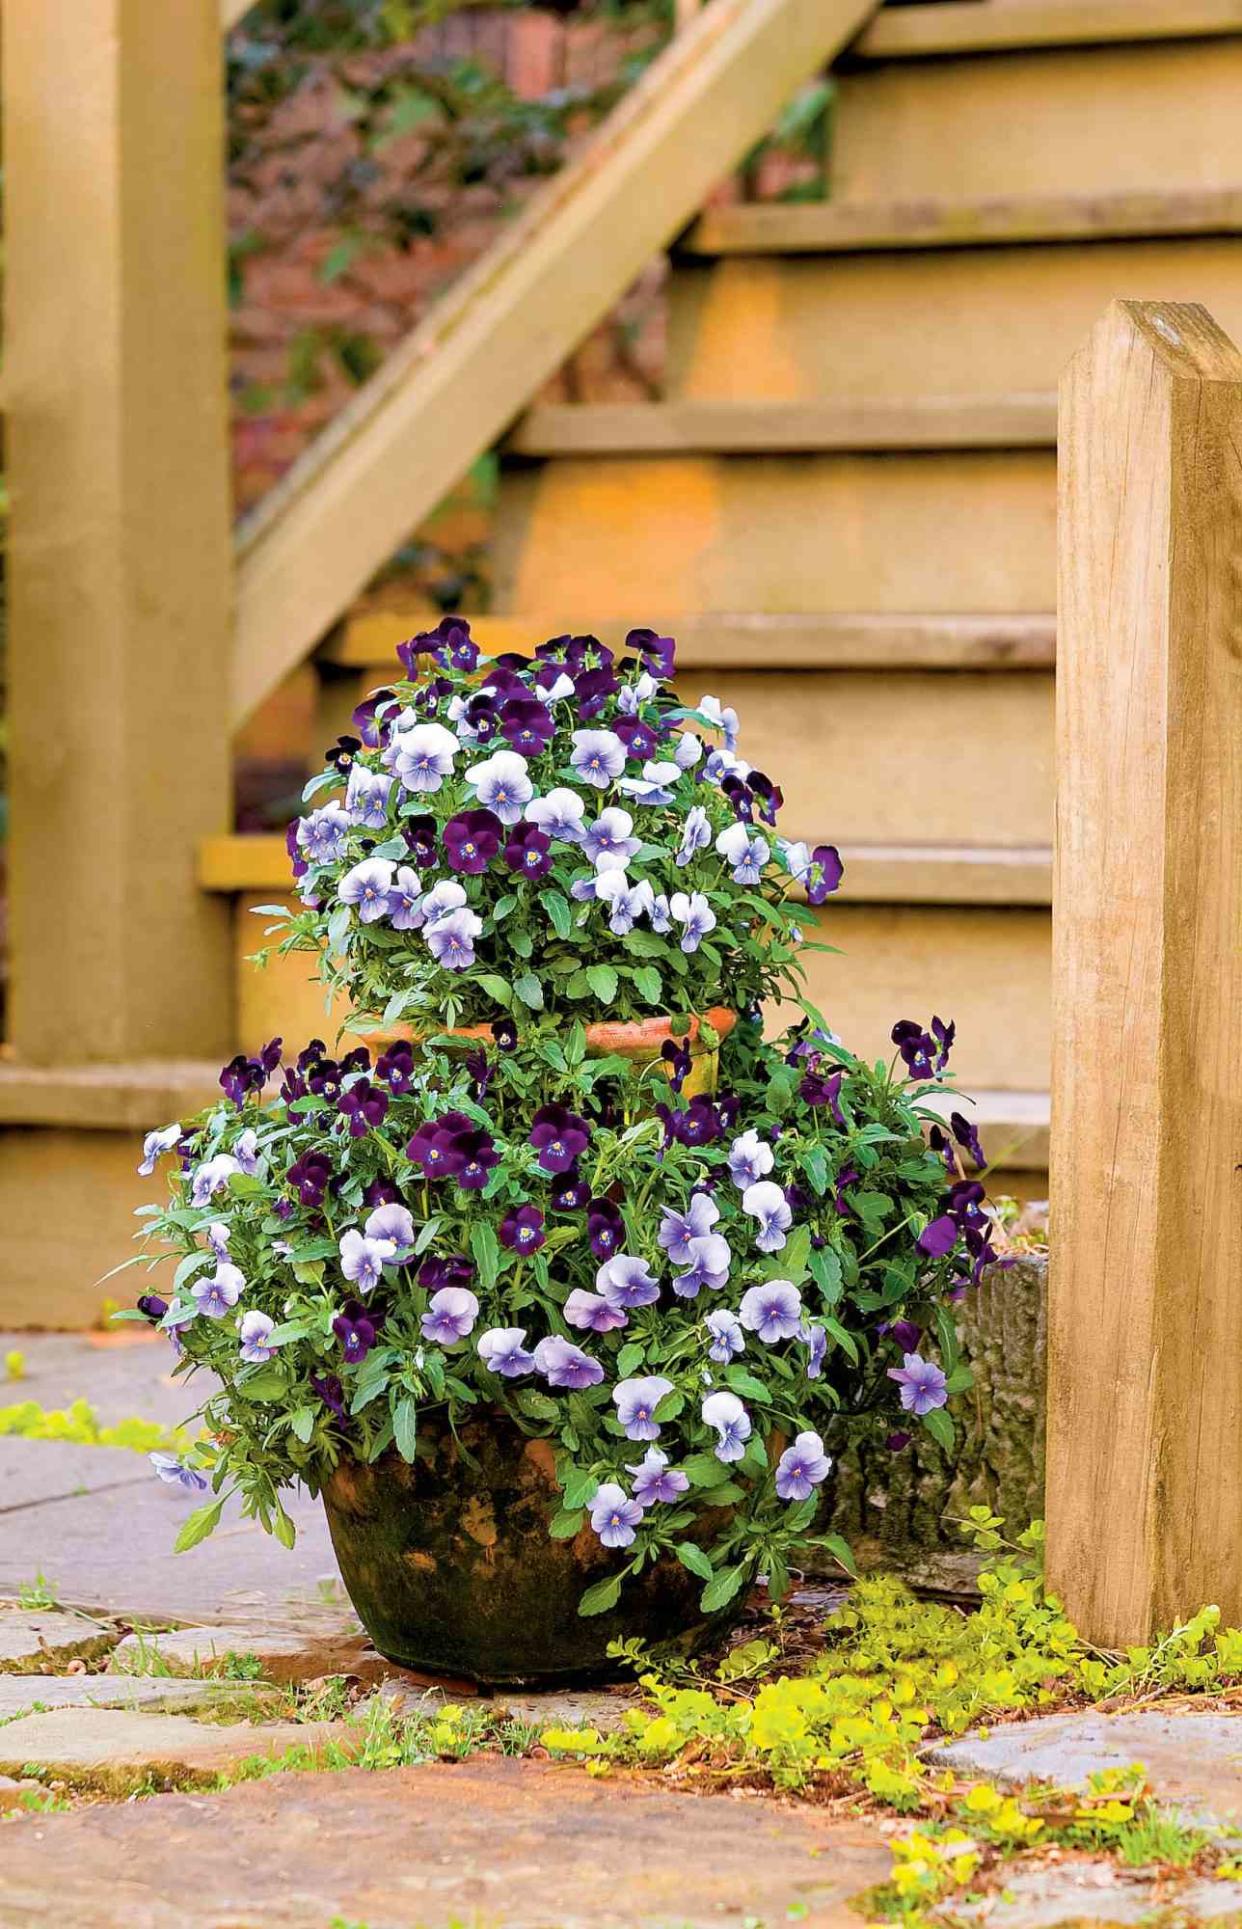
[502,785]
[636,1402]
[772,1311]
[503,1350]
[559,1137]
[655,1480]
[614,1516]
[728,1418]
[522,1229]
[564,1364]
[802,1468]
[450,1315]
[592,1312]
[528,851]
[527,725]
[367,887]
[472,839]
[355,1329]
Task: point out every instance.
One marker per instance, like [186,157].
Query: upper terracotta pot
[639,1040]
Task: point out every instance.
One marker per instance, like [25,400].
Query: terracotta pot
[637,1040]
[451,1568]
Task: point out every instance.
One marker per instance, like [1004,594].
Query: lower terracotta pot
[451,1568]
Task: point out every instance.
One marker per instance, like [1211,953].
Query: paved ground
[518,1845]
[489,1843]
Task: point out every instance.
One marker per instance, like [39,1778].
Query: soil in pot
[452,1570]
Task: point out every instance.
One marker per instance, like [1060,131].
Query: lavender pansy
[750,1160]
[598,756]
[627,1281]
[636,1402]
[155,1145]
[766,1203]
[802,1468]
[367,886]
[174,1473]
[564,1364]
[728,1338]
[923,1384]
[730,1422]
[363,1259]
[655,1480]
[217,1294]
[450,1315]
[503,1350]
[695,915]
[614,1516]
[422,756]
[592,1313]
[772,1311]
[255,1333]
[502,784]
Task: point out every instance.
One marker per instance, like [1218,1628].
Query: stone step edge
[845,227]
[740,640]
[916,874]
[136,1097]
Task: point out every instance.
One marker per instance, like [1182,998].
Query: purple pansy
[614,1516]
[592,1313]
[766,1203]
[255,1334]
[636,1401]
[802,1467]
[709,1259]
[502,784]
[450,1316]
[678,1230]
[472,839]
[322,835]
[355,1329]
[393,1224]
[608,841]
[750,1160]
[175,1473]
[923,1385]
[503,1350]
[218,1293]
[422,756]
[367,886]
[694,914]
[405,906]
[364,1105]
[728,1339]
[529,851]
[363,1259]
[155,1145]
[420,838]
[527,725]
[522,1230]
[559,1137]
[728,1418]
[605,1227]
[366,797]
[598,756]
[772,1311]
[559,815]
[450,939]
[564,1364]
[627,1281]
[745,850]
[815,1340]
[655,1480]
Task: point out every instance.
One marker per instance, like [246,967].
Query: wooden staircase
[845,507]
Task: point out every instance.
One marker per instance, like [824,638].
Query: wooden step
[874,874]
[960,531]
[984,964]
[1144,118]
[876,758]
[982,26]
[838,226]
[744,641]
[967,322]
[774,428]
[134,1097]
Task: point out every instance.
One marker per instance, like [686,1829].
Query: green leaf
[536,1405]
[843,1337]
[601,1597]
[262,1386]
[559,913]
[566,1524]
[302,1423]
[283,1528]
[197,1526]
[704,1470]
[792,1262]
[696,1560]
[826,1272]
[405,1428]
[721,1588]
[960,1379]
[603,982]
[629,1359]
[840,1551]
[426,1234]
[530,991]
[486,1250]
[649,983]
[746,1384]
[940,1427]
[579,1486]
[496,987]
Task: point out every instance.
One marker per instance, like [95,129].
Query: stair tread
[982,26]
[135,1095]
[875,873]
[771,428]
[818,227]
[747,640]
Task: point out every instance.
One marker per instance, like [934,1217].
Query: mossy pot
[452,1570]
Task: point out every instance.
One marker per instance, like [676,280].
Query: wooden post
[120,584]
[1145,1364]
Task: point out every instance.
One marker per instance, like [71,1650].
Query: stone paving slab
[1079,1892]
[498,1843]
[35,1471]
[1193,1758]
[20,1694]
[124,1374]
[32,1640]
[111,1749]
[328,1644]
[112,1552]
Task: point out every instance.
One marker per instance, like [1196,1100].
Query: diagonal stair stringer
[460,378]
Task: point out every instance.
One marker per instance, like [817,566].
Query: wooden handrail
[457,382]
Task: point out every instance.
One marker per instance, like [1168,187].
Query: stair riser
[946,532]
[986,968]
[975,323]
[1079,120]
[895,757]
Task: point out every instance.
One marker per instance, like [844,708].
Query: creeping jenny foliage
[688,1287]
